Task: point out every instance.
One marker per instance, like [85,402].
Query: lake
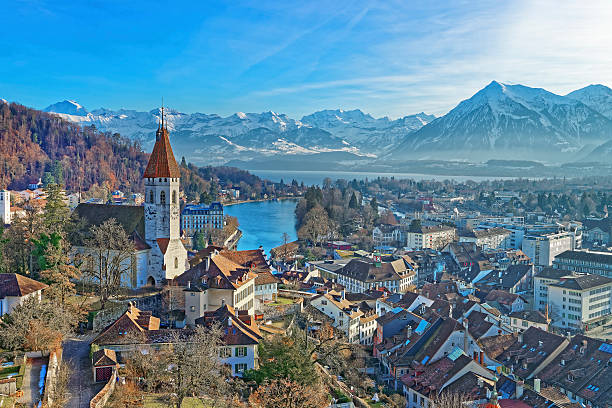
[312,177]
[263,223]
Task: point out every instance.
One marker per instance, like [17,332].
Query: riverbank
[260,200]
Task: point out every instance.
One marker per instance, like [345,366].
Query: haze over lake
[316,177]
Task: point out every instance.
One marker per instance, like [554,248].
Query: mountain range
[500,121]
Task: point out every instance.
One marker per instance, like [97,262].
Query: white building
[542,280]
[240,340]
[201,218]
[435,237]
[580,302]
[154,228]
[542,249]
[361,274]
[5,206]
[493,238]
[16,289]
[346,316]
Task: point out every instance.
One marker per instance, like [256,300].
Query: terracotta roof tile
[162,162]
[15,285]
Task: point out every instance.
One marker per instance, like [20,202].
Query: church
[154,228]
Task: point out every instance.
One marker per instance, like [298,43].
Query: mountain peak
[68,107]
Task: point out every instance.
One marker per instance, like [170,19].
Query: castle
[154,228]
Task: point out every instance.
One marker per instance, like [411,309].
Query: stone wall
[102,397]
[55,361]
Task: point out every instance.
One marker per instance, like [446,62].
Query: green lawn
[158,402]
[282,301]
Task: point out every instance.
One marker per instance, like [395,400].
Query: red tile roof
[162,162]
[15,285]
[163,244]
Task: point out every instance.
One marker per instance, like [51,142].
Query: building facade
[542,249]
[435,237]
[598,263]
[5,206]
[196,218]
[580,302]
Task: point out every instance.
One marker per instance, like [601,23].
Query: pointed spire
[162,113]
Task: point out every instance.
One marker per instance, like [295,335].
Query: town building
[530,352]
[422,384]
[580,302]
[523,320]
[346,316]
[387,235]
[542,280]
[361,274]
[542,249]
[241,337]
[597,231]
[266,287]
[492,238]
[15,289]
[201,217]
[154,228]
[598,263]
[433,237]
[5,207]
[583,372]
[216,282]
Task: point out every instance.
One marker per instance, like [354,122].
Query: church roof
[130,217]
[162,162]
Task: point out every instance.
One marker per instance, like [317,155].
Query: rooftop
[583,282]
[15,285]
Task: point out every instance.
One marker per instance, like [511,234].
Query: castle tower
[5,206]
[162,218]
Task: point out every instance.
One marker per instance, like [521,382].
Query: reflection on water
[263,223]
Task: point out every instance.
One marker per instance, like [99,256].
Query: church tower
[162,220]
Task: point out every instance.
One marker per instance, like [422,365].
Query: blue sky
[387,58]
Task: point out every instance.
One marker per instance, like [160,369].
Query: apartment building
[542,249]
[598,263]
[494,238]
[580,302]
[433,237]
[542,280]
[201,218]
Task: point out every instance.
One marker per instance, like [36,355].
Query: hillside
[33,143]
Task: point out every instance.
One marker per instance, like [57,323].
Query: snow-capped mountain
[67,107]
[210,138]
[365,131]
[596,97]
[509,121]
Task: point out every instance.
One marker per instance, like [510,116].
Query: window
[192,308]
[175,263]
[239,368]
[225,352]
[240,351]
[174,197]
[151,198]
[162,197]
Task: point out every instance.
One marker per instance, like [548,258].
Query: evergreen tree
[57,213]
[374,204]
[353,201]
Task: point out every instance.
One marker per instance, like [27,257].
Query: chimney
[465,336]
[520,338]
[208,262]
[481,358]
[229,321]
[519,389]
[188,284]
[536,385]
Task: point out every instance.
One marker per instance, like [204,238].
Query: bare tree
[188,367]
[35,325]
[109,259]
[285,393]
[317,225]
[450,400]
